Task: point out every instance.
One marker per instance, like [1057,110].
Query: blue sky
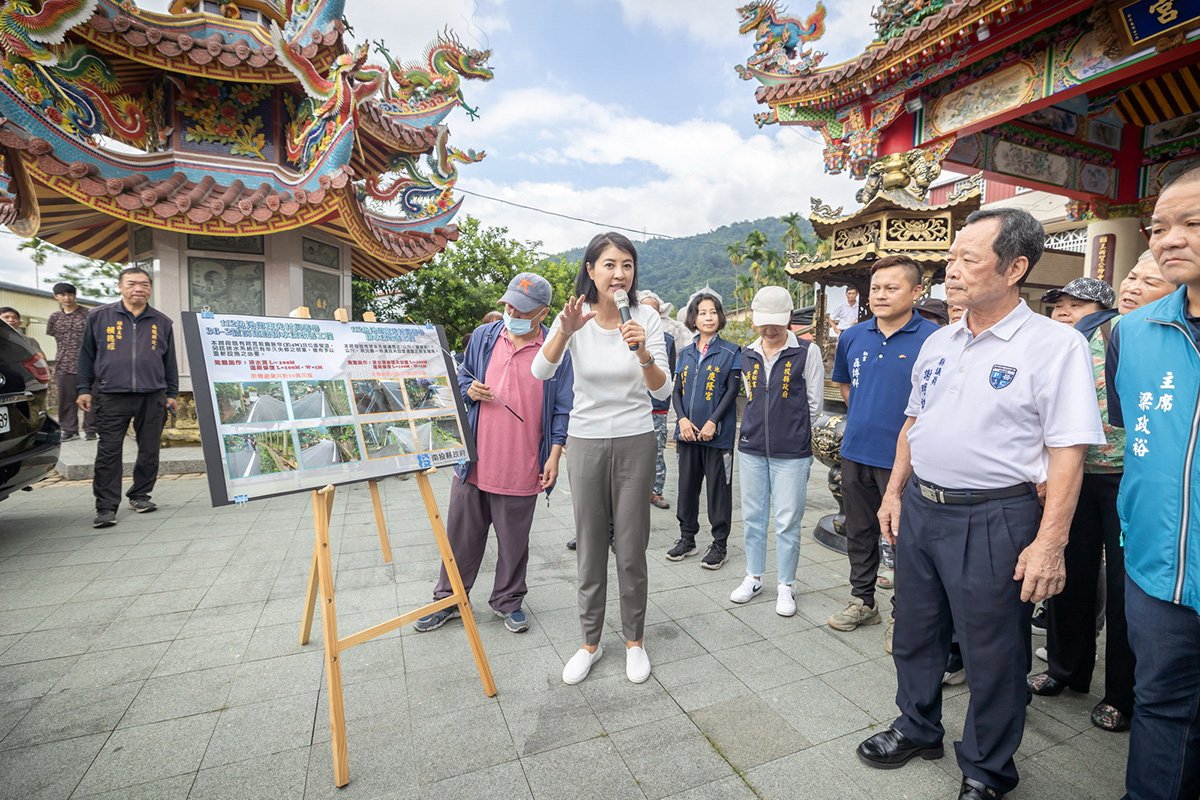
[624,112]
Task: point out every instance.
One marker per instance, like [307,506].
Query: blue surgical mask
[517,327]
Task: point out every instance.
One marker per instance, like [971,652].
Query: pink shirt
[506,448]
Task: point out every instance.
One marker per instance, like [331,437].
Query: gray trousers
[470,515]
[608,486]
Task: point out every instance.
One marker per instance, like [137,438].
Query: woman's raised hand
[572,318]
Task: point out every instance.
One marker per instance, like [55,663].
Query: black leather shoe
[974,790]
[1047,685]
[571,545]
[891,749]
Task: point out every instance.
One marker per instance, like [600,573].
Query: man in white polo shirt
[1001,401]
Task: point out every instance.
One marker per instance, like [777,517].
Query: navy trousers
[1164,744]
[955,564]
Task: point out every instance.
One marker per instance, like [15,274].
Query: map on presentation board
[288,405]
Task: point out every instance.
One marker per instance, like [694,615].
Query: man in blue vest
[1153,364]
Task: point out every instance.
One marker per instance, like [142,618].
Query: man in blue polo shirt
[873,368]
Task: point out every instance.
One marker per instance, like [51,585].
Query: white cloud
[699,174]
[715,22]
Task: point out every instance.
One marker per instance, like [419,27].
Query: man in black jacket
[127,371]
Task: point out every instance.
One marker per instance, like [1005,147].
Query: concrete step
[77,457]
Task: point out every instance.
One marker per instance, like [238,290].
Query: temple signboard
[1143,20]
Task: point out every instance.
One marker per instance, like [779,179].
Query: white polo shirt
[988,406]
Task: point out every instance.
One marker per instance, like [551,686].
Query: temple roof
[886,62]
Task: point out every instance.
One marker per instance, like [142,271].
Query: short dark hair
[584,285]
[910,266]
[1020,235]
[64,288]
[10,310]
[130,271]
[693,309]
[1191,175]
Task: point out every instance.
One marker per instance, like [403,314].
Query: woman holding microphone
[619,354]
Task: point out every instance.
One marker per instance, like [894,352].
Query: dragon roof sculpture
[779,53]
[258,119]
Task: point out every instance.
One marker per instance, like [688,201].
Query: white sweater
[610,387]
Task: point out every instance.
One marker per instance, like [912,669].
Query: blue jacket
[706,389]
[557,393]
[125,354]
[775,421]
[1153,374]
[657,405]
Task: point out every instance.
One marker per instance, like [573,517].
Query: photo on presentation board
[378,397]
[325,446]
[446,433]
[318,399]
[248,455]
[252,401]
[390,439]
[290,405]
[428,393]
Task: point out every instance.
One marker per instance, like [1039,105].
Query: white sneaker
[956,678]
[637,664]
[1041,653]
[580,664]
[749,588]
[785,604]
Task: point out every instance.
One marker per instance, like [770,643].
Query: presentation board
[289,405]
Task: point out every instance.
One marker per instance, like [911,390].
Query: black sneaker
[67,437]
[142,506]
[104,519]
[91,437]
[682,549]
[1039,621]
[714,558]
[437,619]
[571,545]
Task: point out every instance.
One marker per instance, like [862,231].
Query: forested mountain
[674,268]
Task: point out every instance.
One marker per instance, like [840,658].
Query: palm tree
[39,251]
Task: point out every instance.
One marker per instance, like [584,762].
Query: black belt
[970,497]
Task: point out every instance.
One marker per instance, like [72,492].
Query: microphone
[621,298]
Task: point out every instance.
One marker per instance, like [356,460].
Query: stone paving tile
[670,755]
[748,732]
[149,752]
[733,686]
[47,771]
[595,764]
[72,713]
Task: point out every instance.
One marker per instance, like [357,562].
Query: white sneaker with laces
[580,664]
[749,588]
[785,603]
[637,664]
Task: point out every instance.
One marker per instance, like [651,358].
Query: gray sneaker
[436,620]
[142,506]
[104,519]
[853,615]
[516,621]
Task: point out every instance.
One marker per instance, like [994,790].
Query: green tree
[39,250]
[457,287]
[92,277]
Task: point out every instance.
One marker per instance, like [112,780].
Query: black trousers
[714,467]
[1071,616]
[862,493]
[955,564]
[148,411]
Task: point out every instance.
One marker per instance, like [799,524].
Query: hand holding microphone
[632,332]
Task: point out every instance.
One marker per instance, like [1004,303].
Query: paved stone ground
[159,660]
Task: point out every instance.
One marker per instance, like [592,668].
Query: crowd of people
[1010,458]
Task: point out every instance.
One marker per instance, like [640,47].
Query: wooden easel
[321,578]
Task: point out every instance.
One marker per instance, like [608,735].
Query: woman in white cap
[620,360]
[784,382]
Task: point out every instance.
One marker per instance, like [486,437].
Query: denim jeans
[1164,744]
[778,484]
